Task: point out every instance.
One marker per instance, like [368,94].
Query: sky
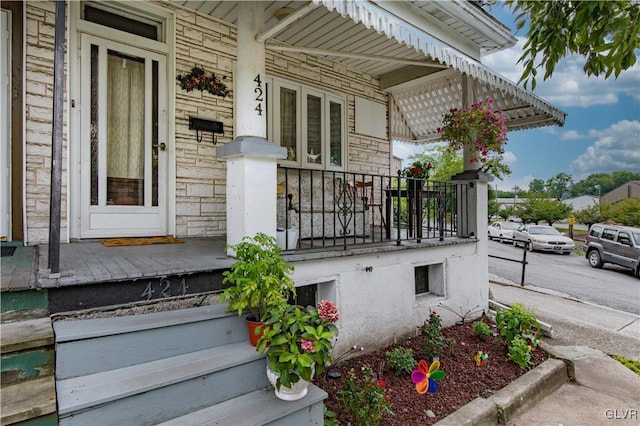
[601,133]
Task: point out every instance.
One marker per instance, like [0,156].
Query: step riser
[94,355]
[175,400]
[312,415]
[22,366]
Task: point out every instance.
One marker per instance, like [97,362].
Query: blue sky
[601,133]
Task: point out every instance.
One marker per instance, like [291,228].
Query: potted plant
[480,128]
[299,343]
[416,173]
[259,280]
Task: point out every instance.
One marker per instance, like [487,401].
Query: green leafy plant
[401,360]
[433,343]
[417,170]
[299,341]
[481,330]
[330,418]
[516,322]
[364,399]
[520,352]
[260,277]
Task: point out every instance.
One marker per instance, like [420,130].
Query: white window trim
[274,84]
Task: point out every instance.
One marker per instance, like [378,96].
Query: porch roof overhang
[421,52]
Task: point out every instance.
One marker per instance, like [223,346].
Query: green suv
[619,245]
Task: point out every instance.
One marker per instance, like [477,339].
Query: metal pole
[56,142]
[524,262]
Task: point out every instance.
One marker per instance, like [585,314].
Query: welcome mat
[8,251]
[136,241]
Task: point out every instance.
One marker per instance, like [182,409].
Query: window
[609,234]
[309,123]
[429,279]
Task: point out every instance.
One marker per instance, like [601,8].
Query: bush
[401,360]
[434,342]
[516,322]
[481,330]
[364,399]
[520,352]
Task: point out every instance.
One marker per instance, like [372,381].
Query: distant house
[630,189]
[582,202]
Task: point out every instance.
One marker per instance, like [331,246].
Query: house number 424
[259,94]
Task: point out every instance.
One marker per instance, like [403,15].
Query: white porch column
[251,159]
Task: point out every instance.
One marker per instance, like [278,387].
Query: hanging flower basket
[198,79]
[479,127]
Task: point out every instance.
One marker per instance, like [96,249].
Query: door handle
[161,145]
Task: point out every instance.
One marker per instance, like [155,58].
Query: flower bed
[463,381]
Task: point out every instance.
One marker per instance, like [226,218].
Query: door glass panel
[154,134]
[335,133]
[125,129]
[314,129]
[94,125]
[288,123]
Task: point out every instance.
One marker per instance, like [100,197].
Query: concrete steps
[173,366]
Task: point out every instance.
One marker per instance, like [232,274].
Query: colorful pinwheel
[425,376]
[481,358]
[533,340]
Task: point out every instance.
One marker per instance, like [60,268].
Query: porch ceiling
[407,45]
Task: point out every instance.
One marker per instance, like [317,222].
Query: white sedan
[502,231]
[543,238]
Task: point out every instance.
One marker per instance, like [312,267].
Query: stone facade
[200,198]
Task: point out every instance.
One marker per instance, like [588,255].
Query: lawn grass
[631,364]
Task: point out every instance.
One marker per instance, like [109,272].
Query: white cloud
[616,148]
[569,86]
[571,135]
[509,158]
[509,182]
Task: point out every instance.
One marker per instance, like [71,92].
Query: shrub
[481,330]
[516,322]
[520,352]
[365,398]
[433,343]
[401,360]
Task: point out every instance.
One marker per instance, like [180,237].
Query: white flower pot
[291,235]
[298,391]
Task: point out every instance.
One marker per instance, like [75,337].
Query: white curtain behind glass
[125,117]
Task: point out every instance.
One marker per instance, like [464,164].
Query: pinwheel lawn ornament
[481,358]
[533,340]
[425,376]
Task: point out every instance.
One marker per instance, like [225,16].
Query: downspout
[56,143]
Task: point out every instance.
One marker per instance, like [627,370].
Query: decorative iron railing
[340,209]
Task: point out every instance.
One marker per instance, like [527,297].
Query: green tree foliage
[537,186]
[558,185]
[447,164]
[606,182]
[538,209]
[589,215]
[507,211]
[625,212]
[606,33]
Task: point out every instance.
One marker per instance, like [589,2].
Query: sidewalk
[599,390]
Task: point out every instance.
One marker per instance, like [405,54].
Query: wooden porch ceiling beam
[286,21]
[326,52]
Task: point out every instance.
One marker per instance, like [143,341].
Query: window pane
[94,125]
[125,129]
[335,133]
[421,279]
[314,129]
[154,134]
[288,123]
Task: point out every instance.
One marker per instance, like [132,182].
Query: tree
[538,209]
[537,186]
[606,33]
[558,185]
[606,182]
[588,216]
[625,212]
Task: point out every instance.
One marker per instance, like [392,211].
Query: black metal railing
[340,209]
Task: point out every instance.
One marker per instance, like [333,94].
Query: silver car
[502,231]
[542,238]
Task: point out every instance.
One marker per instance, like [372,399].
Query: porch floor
[88,262]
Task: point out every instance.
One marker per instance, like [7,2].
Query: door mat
[135,241]
[8,251]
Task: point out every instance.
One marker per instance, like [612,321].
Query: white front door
[5,128]
[123,137]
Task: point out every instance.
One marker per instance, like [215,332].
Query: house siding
[200,177]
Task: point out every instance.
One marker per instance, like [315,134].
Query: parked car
[619,245]
[502,231]
[543,238]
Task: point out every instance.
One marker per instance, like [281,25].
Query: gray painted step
[160,390]
[95,345]
[260,407]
